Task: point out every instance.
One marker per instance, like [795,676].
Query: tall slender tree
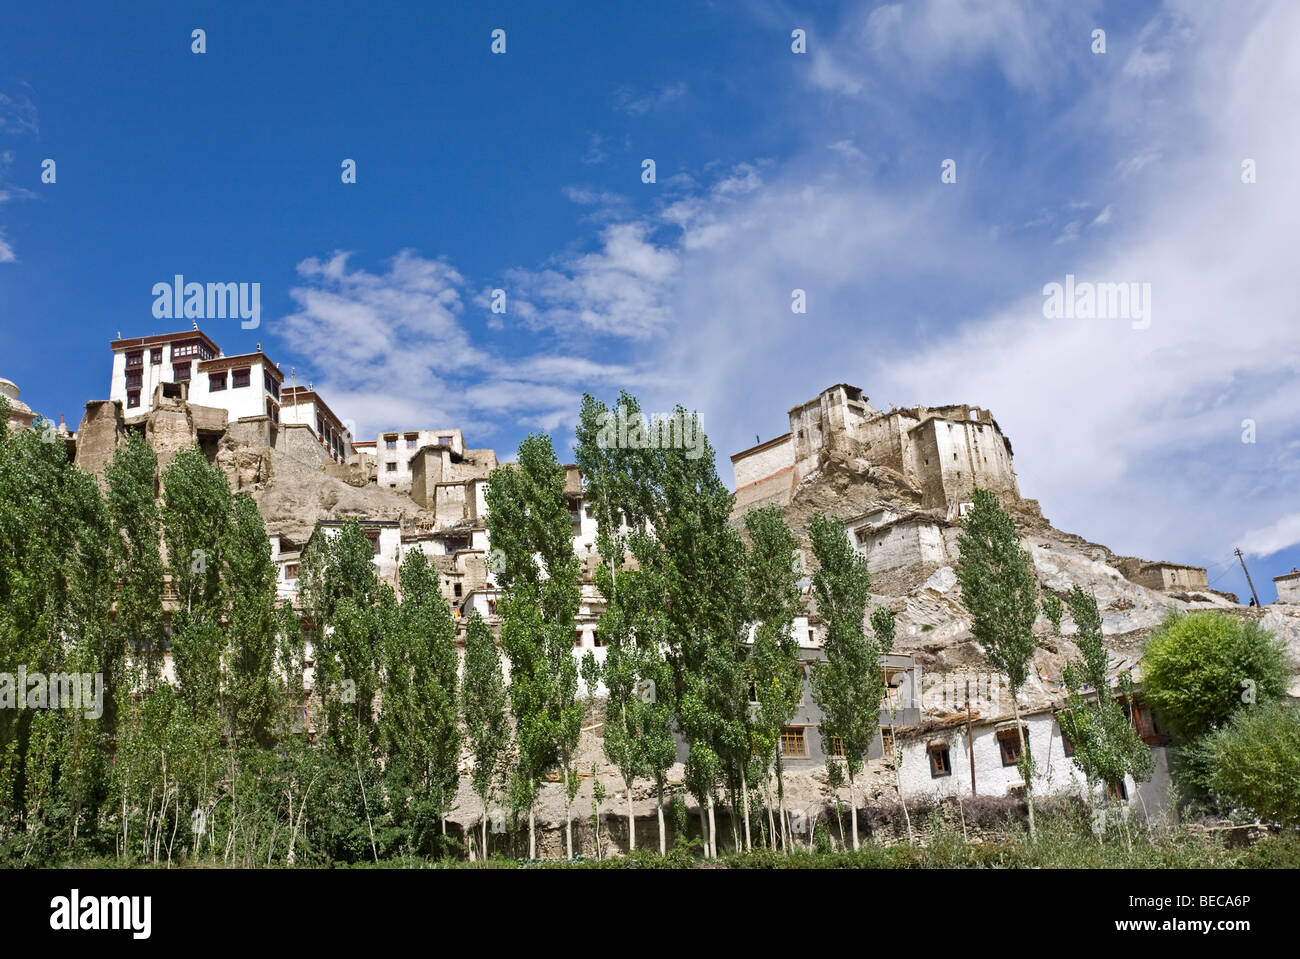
[529,522]
[848,686]
[420,720]
[776,673]
[999,591]
[1106,746]
[484,702]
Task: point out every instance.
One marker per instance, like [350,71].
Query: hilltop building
[1288,587]
[944,451]
[190,367]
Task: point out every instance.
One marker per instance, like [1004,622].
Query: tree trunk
[631,820]
[713,831]
[744,799]
[663,838]
[1029,786]
[485,849]
[780,801]
[853,812]
[532,833]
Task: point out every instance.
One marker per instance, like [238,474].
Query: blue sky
[775,171]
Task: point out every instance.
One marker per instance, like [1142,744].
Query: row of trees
[210,761]
[697,623]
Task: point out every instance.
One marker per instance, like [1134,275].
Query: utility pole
[970,740]
[1247,572]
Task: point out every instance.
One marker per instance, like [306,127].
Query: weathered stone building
[943,451]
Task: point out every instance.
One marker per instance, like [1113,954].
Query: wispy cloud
[639,104]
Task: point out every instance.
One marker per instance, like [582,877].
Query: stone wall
[102,429]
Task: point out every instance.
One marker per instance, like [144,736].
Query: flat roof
[131,342]
[761,446]
[226,362]
[296,395]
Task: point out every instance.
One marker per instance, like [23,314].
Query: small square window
[217,381]
[390,467]
[291,571]
[577,640]
[133,398]
[181,372]
[595,639]
[456,590]
[240,378]
[155,356]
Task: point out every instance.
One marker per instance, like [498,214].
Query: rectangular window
[155,355]
[492,607]
[133,398]
[837,747]
[887,741]
[455,590]
[411,440]
[181,372]
[1009,744]
[217,381]
[1066,744]
[133,379]
[291,571]
[272,386]
[390,442]
[595,639]
[940,761]
[374,541]
[1116,791]
[792,742]
[273,411]
[134,358]
[444,440]
[390,467]
[577,640]
[239,378]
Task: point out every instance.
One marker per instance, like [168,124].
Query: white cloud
[1272,538]
[392,349]
[617,290]
[1130,437]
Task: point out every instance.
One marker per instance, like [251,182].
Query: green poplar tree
[848,686]
[1000,593]
[484,702]
[529,522]
[776,673]
[1106,746]
[420,723]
